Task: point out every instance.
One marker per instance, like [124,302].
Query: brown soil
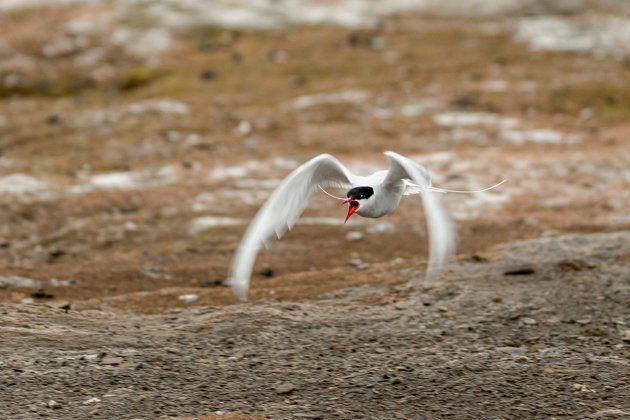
[320,338]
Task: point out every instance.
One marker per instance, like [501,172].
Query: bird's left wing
[442,236]
[282,210]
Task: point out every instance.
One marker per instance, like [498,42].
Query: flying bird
[368,196]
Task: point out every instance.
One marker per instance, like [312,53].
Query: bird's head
[356,198]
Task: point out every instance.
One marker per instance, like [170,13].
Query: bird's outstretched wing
[281,211]
[442,236]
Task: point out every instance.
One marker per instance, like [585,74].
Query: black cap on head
[360,193]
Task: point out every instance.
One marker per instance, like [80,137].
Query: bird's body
[370,196]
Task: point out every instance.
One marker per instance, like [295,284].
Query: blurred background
[138,138]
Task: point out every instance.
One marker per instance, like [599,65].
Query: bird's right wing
[442,236]
[282,210]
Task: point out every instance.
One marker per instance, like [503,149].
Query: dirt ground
[134,150]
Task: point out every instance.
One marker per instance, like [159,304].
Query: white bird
[368,196]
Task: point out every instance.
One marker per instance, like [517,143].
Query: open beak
[353,205]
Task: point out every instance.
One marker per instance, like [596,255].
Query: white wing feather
[281,211]
[442,236]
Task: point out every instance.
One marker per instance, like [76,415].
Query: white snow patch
[204,223]
[345,96]
[128,180]
[331,221]
[598,35]
[465,119]
[243,170]
[158,107]
[142,43]
[201,224]
[265,14]
[20,184]
[494,86]
[475,205]
[539,136]
[115,180]
[17,281]
[434,158]
[11,5]
[408,110]
[381,227]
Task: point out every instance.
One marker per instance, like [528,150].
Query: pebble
[53,404]
[529,321]
[355,236]
[266,272]
[625,335]
[41,294]
[112,360]
[189,298]
[208,74]
[284,388]
[92,401]
[521,271]
[358,264]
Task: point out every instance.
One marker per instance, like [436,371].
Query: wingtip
[239,288]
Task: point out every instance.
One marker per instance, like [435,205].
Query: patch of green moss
[610,103]
[138,77]
[595,332]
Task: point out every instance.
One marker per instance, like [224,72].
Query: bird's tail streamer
[444,190]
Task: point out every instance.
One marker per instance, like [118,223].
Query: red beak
[353,205]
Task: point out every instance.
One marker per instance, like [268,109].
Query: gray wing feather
[442,236]
[281,212]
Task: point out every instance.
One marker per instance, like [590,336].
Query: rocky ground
[137,139]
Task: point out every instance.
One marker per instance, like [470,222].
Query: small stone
[529,321]
[284,388]
[584,321]
[401,305]
[41,294]
[91,401]
[266,272]
[53,404]
[189,298]
[171,350]
[625,335]
[581,388]
[112,360]
[297,81]
[427,302]
[377,43]
[171,136]
[358,264]
[53,119]
[66,307]
[55,253]
[477,258]
[514,351]
[354,236]
[521,271]
[208,74]
[395,380]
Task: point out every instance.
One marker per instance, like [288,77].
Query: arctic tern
[368,196]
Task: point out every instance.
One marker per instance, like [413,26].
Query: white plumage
[288,201]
